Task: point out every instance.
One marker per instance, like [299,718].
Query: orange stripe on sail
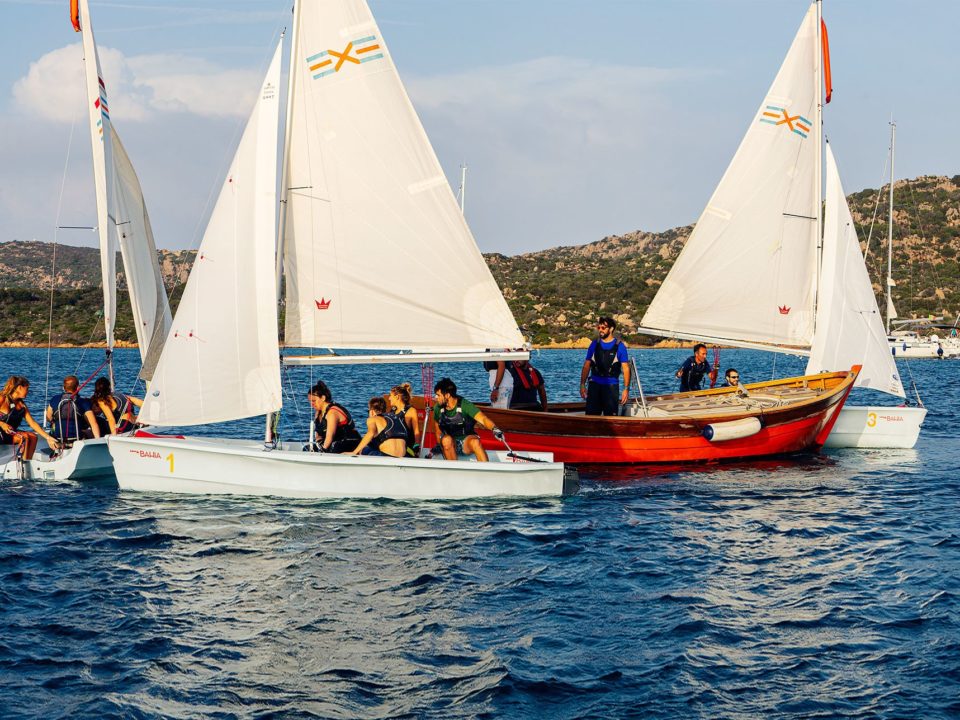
[827,79]
[368,49]
[803,127]
[320,64]
[770,114]
[75,14]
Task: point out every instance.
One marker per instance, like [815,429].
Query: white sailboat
[122,224]
[362,193]
[849,329]
[752,274]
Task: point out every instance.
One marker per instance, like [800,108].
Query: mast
[463,188]
[893,137]
[284,185]
[818,172]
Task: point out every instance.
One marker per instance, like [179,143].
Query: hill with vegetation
[556,294]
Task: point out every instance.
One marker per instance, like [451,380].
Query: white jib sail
[376,252]
[748,270]
[148,297]
[102,146]
[221,359]
[849,327]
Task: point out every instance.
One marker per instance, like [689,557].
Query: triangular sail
[148,298]
[221,359]
[377,253]
[747,272]
[849,327]
[100,138]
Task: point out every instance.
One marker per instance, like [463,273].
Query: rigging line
[86,345]
[876,207]
[53,264]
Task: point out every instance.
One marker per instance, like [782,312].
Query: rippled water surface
[822,586]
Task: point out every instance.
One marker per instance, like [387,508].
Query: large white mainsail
[748,271]
[849,328]
[221,359]
[148,298]
[368,201]
[101,132]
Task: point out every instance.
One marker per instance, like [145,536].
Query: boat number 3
[871,422]
[170,456]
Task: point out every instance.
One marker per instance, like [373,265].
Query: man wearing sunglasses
[731,378]
[606,360]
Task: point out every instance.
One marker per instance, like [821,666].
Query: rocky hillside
[556,294]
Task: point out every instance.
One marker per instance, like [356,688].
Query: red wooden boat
[751,421]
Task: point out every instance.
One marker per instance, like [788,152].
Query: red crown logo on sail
[784,310]
[323,304]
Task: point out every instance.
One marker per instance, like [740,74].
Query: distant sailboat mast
[891,312]
[462,192]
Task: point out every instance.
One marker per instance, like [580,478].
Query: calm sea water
[823,586]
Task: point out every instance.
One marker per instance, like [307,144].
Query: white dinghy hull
[876,426]
[86,459]
[219,466]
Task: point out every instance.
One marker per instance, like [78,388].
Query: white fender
[732,430]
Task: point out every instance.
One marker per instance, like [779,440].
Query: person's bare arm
[92,422]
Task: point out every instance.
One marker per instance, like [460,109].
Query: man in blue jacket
[606,360]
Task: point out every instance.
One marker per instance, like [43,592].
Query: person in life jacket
[529,390]
[694,368]
[457,418]
[386,432]
[606,359]
[71,416]
[399,400]
[114,411]
[335,430]
[13,411]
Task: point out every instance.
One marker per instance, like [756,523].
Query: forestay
[748,270]
[849,328]
[221,359]
[377,254]
[151,312]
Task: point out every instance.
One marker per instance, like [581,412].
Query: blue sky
[578,119]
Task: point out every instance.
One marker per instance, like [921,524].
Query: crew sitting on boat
[71,416]
[694,368]
[399,400]
[113,411]
[13,411]
[529,390]
[606,359]
[456,417]
[731,378]
[335,430]
[386,432]
[501,383]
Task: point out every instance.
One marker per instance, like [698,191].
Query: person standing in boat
[501,383]
[606,359]
[456,419]
[529,390]
[399,400]
[335,429]
[386,433]
[13,411]
[694,368]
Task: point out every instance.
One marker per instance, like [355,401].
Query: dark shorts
[372,451]
[603,399]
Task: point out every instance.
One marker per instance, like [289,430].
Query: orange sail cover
[75,14]
[827,81]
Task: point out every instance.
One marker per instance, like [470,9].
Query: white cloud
[138,86]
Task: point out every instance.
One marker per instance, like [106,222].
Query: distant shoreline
[581,344]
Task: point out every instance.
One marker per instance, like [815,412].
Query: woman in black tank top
[386,434]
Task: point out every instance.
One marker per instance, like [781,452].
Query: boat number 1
[871,422]
[170,458]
